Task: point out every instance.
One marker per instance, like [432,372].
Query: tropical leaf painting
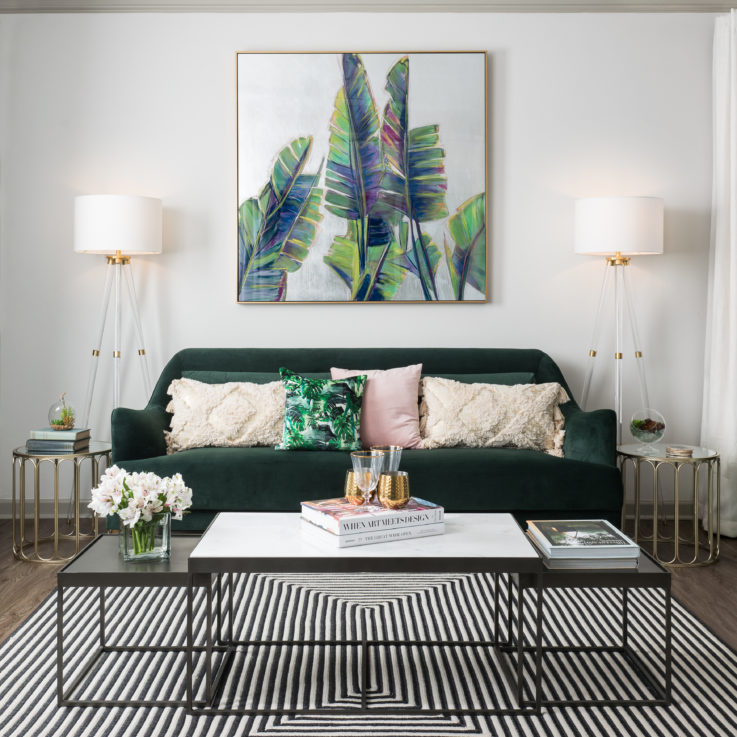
[375,170]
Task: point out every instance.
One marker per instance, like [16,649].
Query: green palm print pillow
[321,414]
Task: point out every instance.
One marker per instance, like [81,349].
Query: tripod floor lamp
[117,226]
[618,228]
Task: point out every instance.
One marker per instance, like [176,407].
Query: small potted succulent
[61,414]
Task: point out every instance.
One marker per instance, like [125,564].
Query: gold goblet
[394,489]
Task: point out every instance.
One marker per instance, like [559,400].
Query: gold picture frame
[362,177]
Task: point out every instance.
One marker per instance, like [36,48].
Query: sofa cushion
[490,415]
[229,414]
[461,479]
[321,414]
[255,377]
[508,378]
[389,414]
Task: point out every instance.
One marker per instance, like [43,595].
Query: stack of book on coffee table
[345,525]
[48,440]
[582,543]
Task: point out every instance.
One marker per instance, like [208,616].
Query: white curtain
[719,417]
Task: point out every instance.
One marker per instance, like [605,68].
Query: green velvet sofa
[529,484]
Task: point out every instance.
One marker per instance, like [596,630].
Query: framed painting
[361,177]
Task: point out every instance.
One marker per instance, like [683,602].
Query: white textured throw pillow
[492,415]
[231,414]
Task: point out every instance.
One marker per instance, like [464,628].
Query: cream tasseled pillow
[492,415]
[231,414]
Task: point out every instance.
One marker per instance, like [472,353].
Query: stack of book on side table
[48,440]
[346,525]
[582,543]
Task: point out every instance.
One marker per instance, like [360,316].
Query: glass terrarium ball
[61,414]
[647,426]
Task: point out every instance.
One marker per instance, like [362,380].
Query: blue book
[56,446]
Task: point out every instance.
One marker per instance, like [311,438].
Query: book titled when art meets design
[341,517]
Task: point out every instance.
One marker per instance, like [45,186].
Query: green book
[48,433]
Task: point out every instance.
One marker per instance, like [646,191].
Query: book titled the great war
[581,538]
[341,517]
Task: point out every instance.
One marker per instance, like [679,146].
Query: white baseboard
[46,508]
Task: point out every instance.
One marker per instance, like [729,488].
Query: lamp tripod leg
[639,360]
[618,320]
[96,348]
[595,337]
[139,331]
[116,341]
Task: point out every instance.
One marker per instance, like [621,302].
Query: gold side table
[29,548]
[701,468]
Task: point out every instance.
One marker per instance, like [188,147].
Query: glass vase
[147,540]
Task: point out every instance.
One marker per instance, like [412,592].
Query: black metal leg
[539,644]
[510,625]
[231,576]
[625,617]
[190,641]
[496,607]
[520,642]
[102,615]
[60,645]
[219,596]
[668,638]
[208,645]
[364,664]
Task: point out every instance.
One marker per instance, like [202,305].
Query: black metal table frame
[529,702]
[134,579]
[623,580]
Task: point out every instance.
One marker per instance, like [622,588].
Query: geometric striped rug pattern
[396,607]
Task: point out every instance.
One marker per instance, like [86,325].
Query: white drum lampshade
[108,224]
[630,226]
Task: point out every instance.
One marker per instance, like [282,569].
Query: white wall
[579,105]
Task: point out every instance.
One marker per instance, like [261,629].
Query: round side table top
[96,447]
[657,452]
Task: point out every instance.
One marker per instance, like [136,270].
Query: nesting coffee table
[238,544]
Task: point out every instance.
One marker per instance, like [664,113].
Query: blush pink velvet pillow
[389,415]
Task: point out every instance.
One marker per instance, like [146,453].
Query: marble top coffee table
[273,543]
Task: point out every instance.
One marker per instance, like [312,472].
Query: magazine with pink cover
[341,517]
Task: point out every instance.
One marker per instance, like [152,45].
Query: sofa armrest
[590,436]
[138,433]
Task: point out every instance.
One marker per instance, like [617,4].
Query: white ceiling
[286,6]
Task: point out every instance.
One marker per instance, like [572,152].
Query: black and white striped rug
[391,607]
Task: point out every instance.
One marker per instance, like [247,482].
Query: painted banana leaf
[423,260]
[467,263]
[276,229]
[365,258]
[385,269]
[354,169]
[414,183]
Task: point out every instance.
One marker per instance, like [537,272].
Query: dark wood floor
[710,592]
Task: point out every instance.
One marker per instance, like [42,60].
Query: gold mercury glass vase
[393,489]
